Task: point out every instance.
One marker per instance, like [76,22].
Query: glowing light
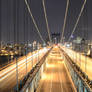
[8,71]
[44,76]
[50,65]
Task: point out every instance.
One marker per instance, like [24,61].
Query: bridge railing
[79,78]
[31,81]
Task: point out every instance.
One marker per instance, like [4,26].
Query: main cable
[67,6]
[34,22]
[48,30]
[78,19]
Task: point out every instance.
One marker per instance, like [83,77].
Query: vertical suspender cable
[86,34]
[8,28]
[26,36]
[17,19]
[24,23]
[8,24]
[14,14]
[15,41]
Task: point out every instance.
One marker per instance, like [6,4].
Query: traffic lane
[56,83]
[12,62]
[4,73]
[22,72]
[20,61]
[45,82]
[66,83]
[61,81]
[9,82]
[55,78]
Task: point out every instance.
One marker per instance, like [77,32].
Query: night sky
[16,24]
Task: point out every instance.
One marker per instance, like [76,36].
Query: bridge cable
[67,7]
[48,30]
[78,19]
[34,22]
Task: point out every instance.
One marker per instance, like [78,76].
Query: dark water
[4,60]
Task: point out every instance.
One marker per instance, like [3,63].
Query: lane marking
[60,80]
[51,81]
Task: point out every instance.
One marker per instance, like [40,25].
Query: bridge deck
[55,78]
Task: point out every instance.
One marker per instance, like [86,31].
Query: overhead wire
[17,24]
[77,20]
[34,22]
[14,21]
[48,30]
[8,24]
[67,7]
[24,24]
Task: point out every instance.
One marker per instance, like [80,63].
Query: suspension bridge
[29,62]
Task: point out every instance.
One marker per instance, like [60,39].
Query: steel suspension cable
[67,6]
[8,25]
[34,22]
[83,6]
[48,30]
[14,21]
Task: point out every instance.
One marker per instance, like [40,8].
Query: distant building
[80,45]
[55,38]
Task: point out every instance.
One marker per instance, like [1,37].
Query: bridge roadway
[8,75]
[55,77]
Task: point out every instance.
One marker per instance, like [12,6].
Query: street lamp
[33,48]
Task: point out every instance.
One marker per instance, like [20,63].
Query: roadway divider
[31,81]
[79,78]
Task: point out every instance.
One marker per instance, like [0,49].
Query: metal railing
[31,80]
[80,79]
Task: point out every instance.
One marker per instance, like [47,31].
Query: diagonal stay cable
[83,6]
[67,6]
[48,30]
[29,10]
